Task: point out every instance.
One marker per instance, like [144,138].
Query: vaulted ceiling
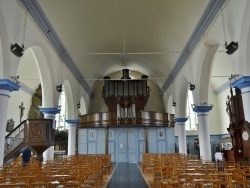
[104,36]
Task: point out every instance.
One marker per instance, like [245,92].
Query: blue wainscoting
[126,144]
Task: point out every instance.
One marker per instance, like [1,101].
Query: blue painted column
[204,133]
[243,84]
[72,136]
[182,139]
[6,87]
[49,113]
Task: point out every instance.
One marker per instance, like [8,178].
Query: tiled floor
[127,175]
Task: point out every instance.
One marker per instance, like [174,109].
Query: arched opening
[192,122]
[29,97]
[63,115]
[82,109]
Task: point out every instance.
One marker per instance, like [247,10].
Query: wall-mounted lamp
[191,86]
[193,105]
[59,88]
[233,76]
[15,79]
[174,103]
[78,105]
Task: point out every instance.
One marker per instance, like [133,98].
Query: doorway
[127,145]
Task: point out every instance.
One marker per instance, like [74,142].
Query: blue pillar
[6,87]
[243,84]
[182,139]
[204,132]
[72,136]
[49,113]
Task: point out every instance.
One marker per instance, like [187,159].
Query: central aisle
[127,175]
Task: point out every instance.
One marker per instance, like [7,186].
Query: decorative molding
[26,89]
[49,110]
[8,85]
[222,88]
[202,108]
[242,82]
[47,29]
[211,11]
[72,121]
[181,120]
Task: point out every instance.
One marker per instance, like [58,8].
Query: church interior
[124,93]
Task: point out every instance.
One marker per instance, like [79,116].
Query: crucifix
[21,111]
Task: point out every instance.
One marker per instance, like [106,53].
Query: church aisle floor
[127,175]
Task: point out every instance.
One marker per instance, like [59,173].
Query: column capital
[8,85]
[181,120]
[50,110]
[242,82]
[72,121]
[202,108]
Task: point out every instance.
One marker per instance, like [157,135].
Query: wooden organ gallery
[126,131]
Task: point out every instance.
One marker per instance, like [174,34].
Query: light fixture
[174,103]
[191,86]
[15,79]
[16,49]
[59,88]
[78,105]
[232,47]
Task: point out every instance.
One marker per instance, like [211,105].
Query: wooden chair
[169,177]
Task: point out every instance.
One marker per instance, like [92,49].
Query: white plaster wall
[214,118]
[15,101]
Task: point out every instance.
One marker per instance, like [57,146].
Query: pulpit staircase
[37,134]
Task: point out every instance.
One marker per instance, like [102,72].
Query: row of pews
[181,170]
[74,171]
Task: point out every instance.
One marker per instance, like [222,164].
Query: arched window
[62,116]
[192,122]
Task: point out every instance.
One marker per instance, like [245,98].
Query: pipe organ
[126,97]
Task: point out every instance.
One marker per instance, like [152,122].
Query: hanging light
[59,88]
[174,103]
[233,46]
[191,86]
[78,105]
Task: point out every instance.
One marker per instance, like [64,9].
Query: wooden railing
[35,133]
[143,118]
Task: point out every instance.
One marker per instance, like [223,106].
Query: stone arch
[45,77]
[205,73]
[181,95]
[244,44]
[29,80]
[5,64]
[70,100]
[171,108]
[83,109]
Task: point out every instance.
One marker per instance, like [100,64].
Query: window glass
[192,122]
[62,116]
